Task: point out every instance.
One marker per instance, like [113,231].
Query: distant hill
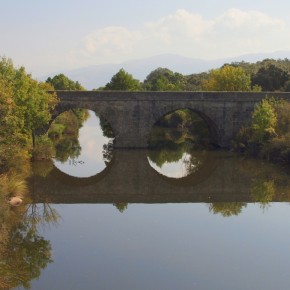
[98,75]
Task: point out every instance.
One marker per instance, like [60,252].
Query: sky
[48,36]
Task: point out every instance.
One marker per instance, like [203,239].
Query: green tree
[264,121]
[287,86]
[268,136]
[194,81]
[163,79]
[271,78]
[227,78]
[123,81]
[62,82]
[9,123]
[278,147]
[33,104]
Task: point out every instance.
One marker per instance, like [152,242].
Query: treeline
[266,75]
[26,105]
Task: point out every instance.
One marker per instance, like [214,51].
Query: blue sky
[47,36]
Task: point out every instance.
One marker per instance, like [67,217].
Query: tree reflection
[23,251]
[68,147]
[227,209]
[75,147]
[41,214]
[121,206]
[106,127]
[107,132]
[263,191]
[108,151]
[64,132]
[24,256]
[179,138]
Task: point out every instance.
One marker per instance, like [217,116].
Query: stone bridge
[132,114]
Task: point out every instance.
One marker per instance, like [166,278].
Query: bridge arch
[99,110]
[209,122]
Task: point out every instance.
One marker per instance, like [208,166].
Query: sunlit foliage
[62,82]
[268,136]
[25,107]
[227,78]
[264,121]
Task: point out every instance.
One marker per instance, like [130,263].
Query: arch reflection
[179,144]
[83,143]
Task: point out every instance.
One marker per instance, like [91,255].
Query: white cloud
[233,33]
[238,32]
[111,40]
[235,18]
[182,24]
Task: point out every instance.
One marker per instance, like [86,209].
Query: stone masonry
[132,114]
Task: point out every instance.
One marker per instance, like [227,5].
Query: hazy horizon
[53,36]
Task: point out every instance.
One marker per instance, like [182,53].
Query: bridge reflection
[130,179]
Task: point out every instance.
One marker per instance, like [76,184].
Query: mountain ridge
[95,76]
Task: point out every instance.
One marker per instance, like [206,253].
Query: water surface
[171,218]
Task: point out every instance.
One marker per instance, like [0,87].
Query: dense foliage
[268,135]
[62,82]
[123,81]
[163,79]
[227,78]
[25,107]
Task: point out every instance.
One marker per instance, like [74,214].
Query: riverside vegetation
[26,106]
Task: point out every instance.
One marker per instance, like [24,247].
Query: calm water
[156,220]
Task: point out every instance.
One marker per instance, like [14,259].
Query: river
[151,219]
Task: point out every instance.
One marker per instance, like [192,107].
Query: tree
[33,104]
[163,79]
[227,78]
[264,121]
[271,78]
[123,81]
[62,82]
[194,81]
[9,124]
